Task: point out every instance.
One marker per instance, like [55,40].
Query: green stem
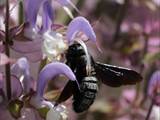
[42,64]
[141,66]
[150,110]
[7,52]
[120,18]
[21,14]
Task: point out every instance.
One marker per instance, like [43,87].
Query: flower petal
[16,30]
[15,86]
[4,59]
[1,80]
[154,87]
[31,10]
[1,46]
[20,67]
[53,45]
[2,35]
[50,71]
[66,3]
[58,113]
[21,70]
[27,47]
[68,11]
[53,114]
[48,16]
[56,26]
[34,56]
[80,24]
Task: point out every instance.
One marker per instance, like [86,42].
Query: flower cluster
[37,38]
[39,41]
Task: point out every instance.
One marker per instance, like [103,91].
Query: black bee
[88,73]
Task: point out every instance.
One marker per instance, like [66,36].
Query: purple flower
[65,3]
[21,80]
[23,84]
[22,43]
[47,17]
[15,85]
[80,24]
[48,73]
[21,70]
[32,8]
[154,87]
[30,36]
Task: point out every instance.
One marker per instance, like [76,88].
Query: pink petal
[1,80]
[56,26]
[4,59]
[1,47]
[15,86]
[34,56]
[27,47]
[2,34]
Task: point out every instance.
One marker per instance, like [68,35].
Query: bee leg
[66,93]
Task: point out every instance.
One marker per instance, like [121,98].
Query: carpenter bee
[88,72]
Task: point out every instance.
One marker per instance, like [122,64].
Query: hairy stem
[7,52]
[150,110]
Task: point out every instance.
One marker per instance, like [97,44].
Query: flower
[21,70]
[23,90]
[53,45]
[80,24]
[47,73]
[58,113]
[65,3]
[154,87]
[32,35]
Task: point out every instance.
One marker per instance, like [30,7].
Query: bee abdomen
[84,99]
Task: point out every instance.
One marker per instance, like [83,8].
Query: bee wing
[115,76]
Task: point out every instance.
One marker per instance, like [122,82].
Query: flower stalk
[21,15]
[7,52]
[150,110]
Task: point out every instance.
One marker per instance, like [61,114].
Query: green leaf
[150,57]
[15,107]
[43,111]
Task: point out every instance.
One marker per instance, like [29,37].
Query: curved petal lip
[80,24]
